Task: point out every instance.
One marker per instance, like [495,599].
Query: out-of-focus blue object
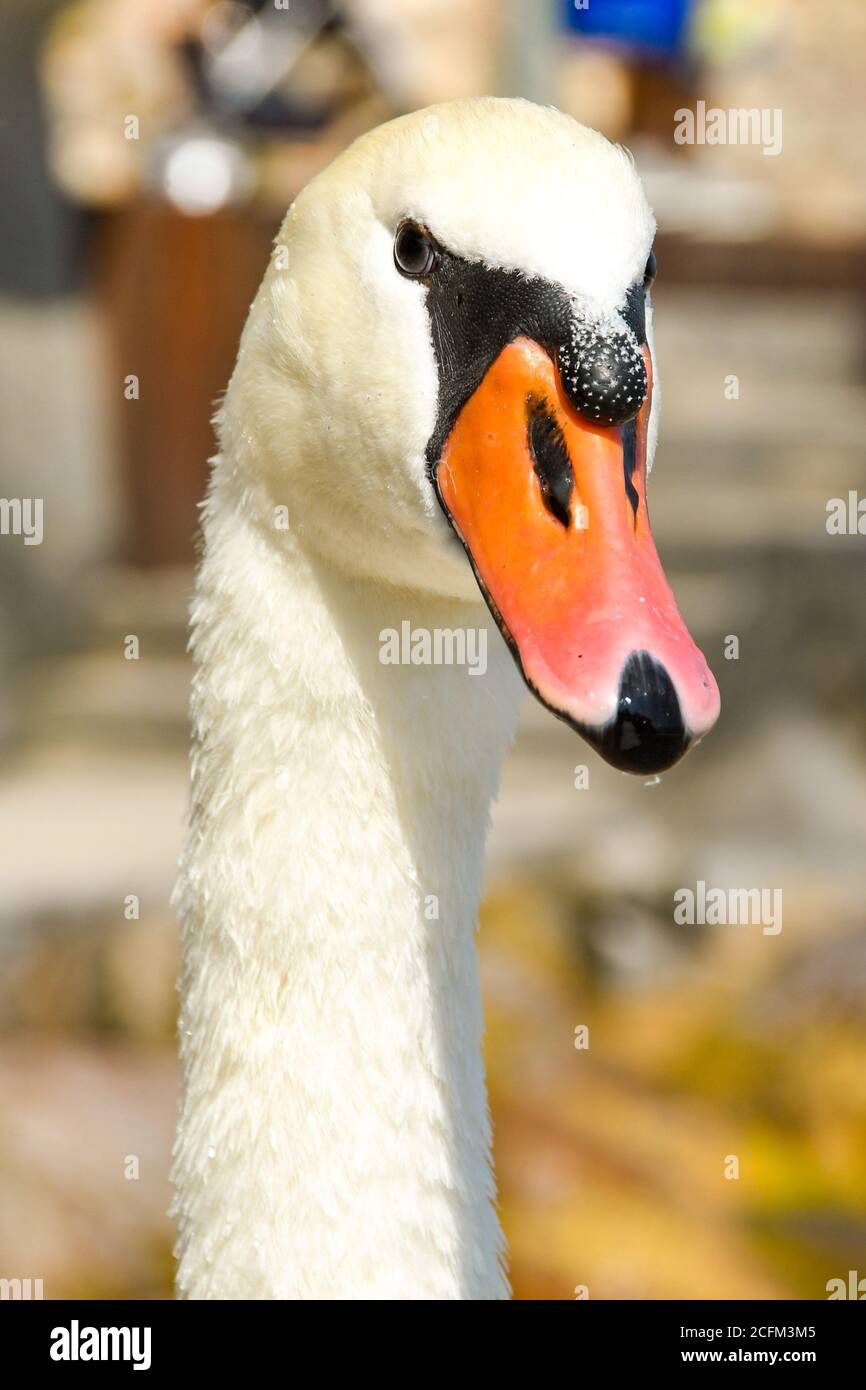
[656,27]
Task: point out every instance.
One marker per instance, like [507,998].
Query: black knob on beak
[603,372]
[647,733]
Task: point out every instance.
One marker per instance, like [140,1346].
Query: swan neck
[334,1137]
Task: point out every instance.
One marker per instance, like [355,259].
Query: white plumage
[334,1139]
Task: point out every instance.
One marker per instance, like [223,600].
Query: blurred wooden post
[175,291]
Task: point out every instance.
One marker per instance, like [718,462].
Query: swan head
[447,377]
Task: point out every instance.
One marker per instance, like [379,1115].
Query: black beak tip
[647,734]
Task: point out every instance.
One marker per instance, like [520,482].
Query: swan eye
[649,274]
[414,252]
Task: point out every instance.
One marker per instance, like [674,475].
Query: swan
[442,413]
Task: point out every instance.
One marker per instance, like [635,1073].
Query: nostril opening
[550,459]
[648,733]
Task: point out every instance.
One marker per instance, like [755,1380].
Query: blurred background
[149,149]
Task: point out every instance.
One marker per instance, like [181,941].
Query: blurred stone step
[81,828]
[102,696]
[152,604]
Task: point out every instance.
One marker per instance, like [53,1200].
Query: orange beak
[552,512]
